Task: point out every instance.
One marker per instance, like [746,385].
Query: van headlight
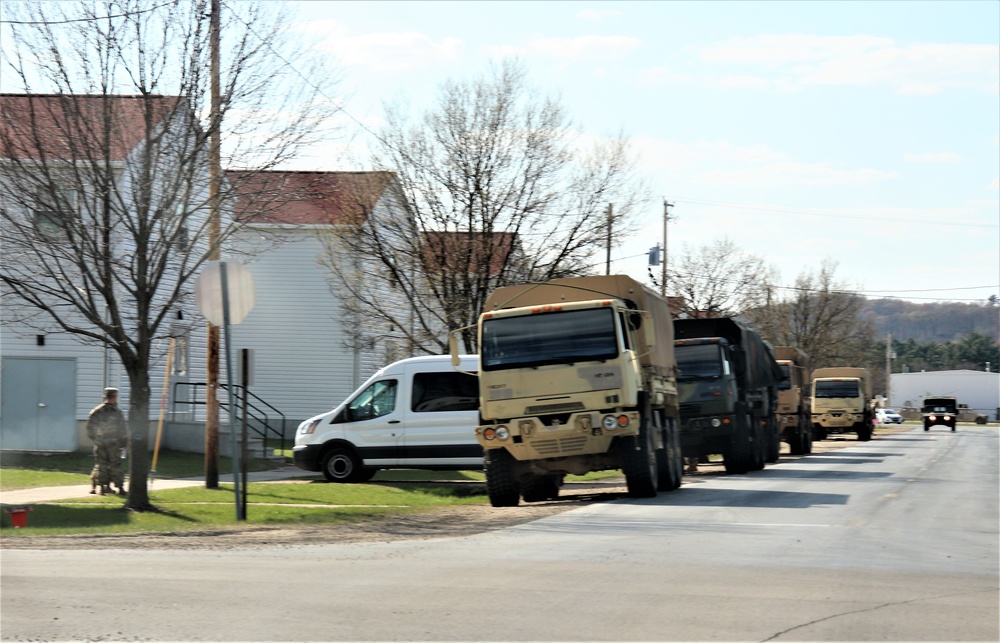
[308,427]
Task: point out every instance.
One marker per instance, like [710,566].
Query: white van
[417,413]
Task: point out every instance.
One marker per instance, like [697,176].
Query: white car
[888,416]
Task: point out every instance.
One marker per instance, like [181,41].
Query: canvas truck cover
[795,355]
[847,371]
[623,287]
[762,369]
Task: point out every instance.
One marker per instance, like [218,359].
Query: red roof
[302,198]
[73,127]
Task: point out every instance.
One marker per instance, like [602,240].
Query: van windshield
[562,337]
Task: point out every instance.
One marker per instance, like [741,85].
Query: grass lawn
[268,503]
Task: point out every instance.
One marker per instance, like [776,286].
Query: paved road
[894,539]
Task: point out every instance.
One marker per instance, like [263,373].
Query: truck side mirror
[453,348]
[648,330]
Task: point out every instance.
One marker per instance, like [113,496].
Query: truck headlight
[609,422]
[498,433]
[716,422]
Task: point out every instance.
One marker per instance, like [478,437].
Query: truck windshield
[549,338]
[836,389]
[786,379]
[699,362]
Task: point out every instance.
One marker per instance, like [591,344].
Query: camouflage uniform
[106,427]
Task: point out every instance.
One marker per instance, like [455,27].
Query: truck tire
[759,446]
[670,461]
[864,432]
[639,462]
[341,464]
[739,457]
[539,488]
[501,480]
[773,439]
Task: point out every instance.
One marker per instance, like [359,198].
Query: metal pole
[663,264]
[244,456]
[232,399]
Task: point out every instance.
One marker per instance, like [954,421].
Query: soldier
[106,427]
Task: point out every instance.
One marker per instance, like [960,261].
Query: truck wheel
[669,461]
[501,482]
[773,440]
[342,465]
[639,462]
[759,447]
[739,457]
[539,488]
[796,442]
[864,432]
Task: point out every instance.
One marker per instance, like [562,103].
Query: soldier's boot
[105,490]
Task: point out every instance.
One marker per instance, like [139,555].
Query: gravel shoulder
[444,522]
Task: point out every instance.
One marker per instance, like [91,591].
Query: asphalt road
[893,539]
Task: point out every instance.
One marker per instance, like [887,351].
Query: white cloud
[384,51]
[581,48]
[995,184]
[596,15]
[858,60]
[930,157]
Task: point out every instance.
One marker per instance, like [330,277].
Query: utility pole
[663,265]
[607,266]
[888,370]
[214,231]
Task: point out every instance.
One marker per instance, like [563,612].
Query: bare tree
[719,280]
[500,191]
[821,317]
[104,177]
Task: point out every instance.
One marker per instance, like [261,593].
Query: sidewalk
[49,494]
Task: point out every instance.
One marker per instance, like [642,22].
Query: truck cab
[940,411]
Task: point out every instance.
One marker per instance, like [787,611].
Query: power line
[90,19]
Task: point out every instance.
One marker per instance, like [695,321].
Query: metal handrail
[259,421]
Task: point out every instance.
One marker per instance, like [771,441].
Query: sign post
[225,295]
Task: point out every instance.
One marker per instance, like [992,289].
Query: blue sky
[867,133]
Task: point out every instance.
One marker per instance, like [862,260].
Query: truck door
[441,420]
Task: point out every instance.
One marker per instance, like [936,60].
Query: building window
[54,210]
[180,359]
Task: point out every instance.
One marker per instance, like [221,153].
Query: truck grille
[544,409]
[550,448]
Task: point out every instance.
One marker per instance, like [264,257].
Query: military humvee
[939,410]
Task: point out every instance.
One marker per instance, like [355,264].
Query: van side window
[375,401]
[448,391]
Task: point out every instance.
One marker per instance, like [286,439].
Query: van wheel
[501,480]
[341,465]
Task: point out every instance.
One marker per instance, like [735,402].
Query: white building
[977,389]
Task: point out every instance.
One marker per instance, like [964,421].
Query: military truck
[842,402]
[576,375]
[728,384]
[794,418]
[941,410]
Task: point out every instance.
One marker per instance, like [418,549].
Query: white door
[441,420]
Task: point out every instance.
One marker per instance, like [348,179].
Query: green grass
[270,503]
[24,470]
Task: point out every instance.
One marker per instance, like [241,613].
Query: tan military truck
[577,375]
[794,401]
[842,402]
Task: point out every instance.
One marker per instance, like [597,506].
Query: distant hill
[937,322]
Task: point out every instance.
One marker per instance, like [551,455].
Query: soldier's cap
[110,391]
